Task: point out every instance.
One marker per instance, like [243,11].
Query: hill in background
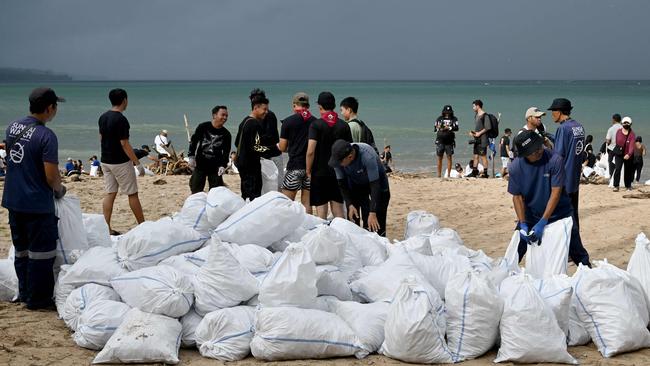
[10,74]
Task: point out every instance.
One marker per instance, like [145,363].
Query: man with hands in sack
[542,206]
[210,151]
[363,183]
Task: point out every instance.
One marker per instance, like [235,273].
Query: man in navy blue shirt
[33,181]
[363,183]
[570,145]
[537,185]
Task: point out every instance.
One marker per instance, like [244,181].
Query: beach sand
[480,210]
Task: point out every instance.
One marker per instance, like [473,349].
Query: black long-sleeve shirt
[210,146]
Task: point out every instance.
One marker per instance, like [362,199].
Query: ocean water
[399,113]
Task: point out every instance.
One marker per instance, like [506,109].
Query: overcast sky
[329,39]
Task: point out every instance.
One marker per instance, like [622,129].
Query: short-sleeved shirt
[505,142]
[26,189]
[446,136]
[570,145]
[113,127]
[269,135]
[249,146]
[364,169]
[480,125]
[325,136]
[161,143]
[611,135]
[295,129]
[534,181]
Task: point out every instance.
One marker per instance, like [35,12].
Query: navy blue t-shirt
[534,181]
[365,168]
[570,144]
[26,189]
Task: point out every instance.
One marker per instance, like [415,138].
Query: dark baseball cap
[560,104]
[44,96]
[528,142]
[340,149]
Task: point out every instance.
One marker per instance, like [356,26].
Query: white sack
[500,270]
[557,292]
[221,203]
[291,281]
[418,243]
[194,214]
[251,223]
[151,242]
[444,238]
[80,298]
[97,232]
[189,322]
[529,330]
[254,258]
[639,264]
[98,322]
[331,281]
[473,314]
[551,256]
[366,320]
[351,261]
[420,223]
[438,268]
[382,283]
[512,254]
[269,176]
[415,326]
[371,247]
[344,226]
[226,334]
[293,237]
[325,245]
[96,265]
[72,235]
[184,263]
[222,282]
[8,280]
[143,338]
[578,334]
[283,333]
[160,290]
[612,306]
[62,290]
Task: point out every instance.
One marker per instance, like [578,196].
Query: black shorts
[442,149]
[324,190]
[479,148]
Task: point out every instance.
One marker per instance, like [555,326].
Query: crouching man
[363,182]
[543,208]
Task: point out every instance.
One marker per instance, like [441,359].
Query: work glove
[60,193]
[140,170]
[523,231]
[221,171]
[538,231]
[192,162]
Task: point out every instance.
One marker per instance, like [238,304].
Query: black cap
[528,142]
[447,109]
[44,97]
[560,104]
[326,100]
[340,149]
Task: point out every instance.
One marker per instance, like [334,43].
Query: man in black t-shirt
[444,128]
[209,151]
[118,158]
[322,134]
[250,147]
[504,151]
[293,139]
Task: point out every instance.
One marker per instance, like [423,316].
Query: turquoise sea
[399,113]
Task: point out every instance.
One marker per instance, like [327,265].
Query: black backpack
[493,129]
[366,135]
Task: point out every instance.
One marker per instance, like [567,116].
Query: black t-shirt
[296,131]
[113,127]
[210,146]
[249,146]
[325,136]
[269,135]
[505,142]
[445,128]
[139,153]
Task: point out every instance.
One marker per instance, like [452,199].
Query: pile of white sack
[265,279]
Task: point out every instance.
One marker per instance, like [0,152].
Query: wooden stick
[187,128]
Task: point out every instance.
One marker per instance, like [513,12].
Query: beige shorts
[120,176]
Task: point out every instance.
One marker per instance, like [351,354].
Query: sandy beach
[480,210]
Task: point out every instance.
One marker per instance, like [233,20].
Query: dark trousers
[628,177]
[638,167]
[361,201]
[198,178]
[34,237]
[251,184]
[610,162]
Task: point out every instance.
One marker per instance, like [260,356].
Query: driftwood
[174,164]
[641,195]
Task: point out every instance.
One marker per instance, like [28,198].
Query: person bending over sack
[536,183]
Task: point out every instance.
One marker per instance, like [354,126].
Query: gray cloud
[332,39]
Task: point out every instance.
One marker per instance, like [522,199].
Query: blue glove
[523,231]
[538,231]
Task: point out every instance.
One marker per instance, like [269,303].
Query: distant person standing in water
[444,127]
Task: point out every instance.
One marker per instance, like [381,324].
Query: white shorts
[505,162]
[120,176]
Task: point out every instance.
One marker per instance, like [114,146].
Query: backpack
[493,130]
[366,135]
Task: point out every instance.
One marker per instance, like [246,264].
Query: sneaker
[628,189]
[615,189]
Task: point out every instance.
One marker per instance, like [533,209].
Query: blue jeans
[34,237]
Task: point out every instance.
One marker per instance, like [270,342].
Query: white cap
[534,112]
[164,131]
[626,120]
